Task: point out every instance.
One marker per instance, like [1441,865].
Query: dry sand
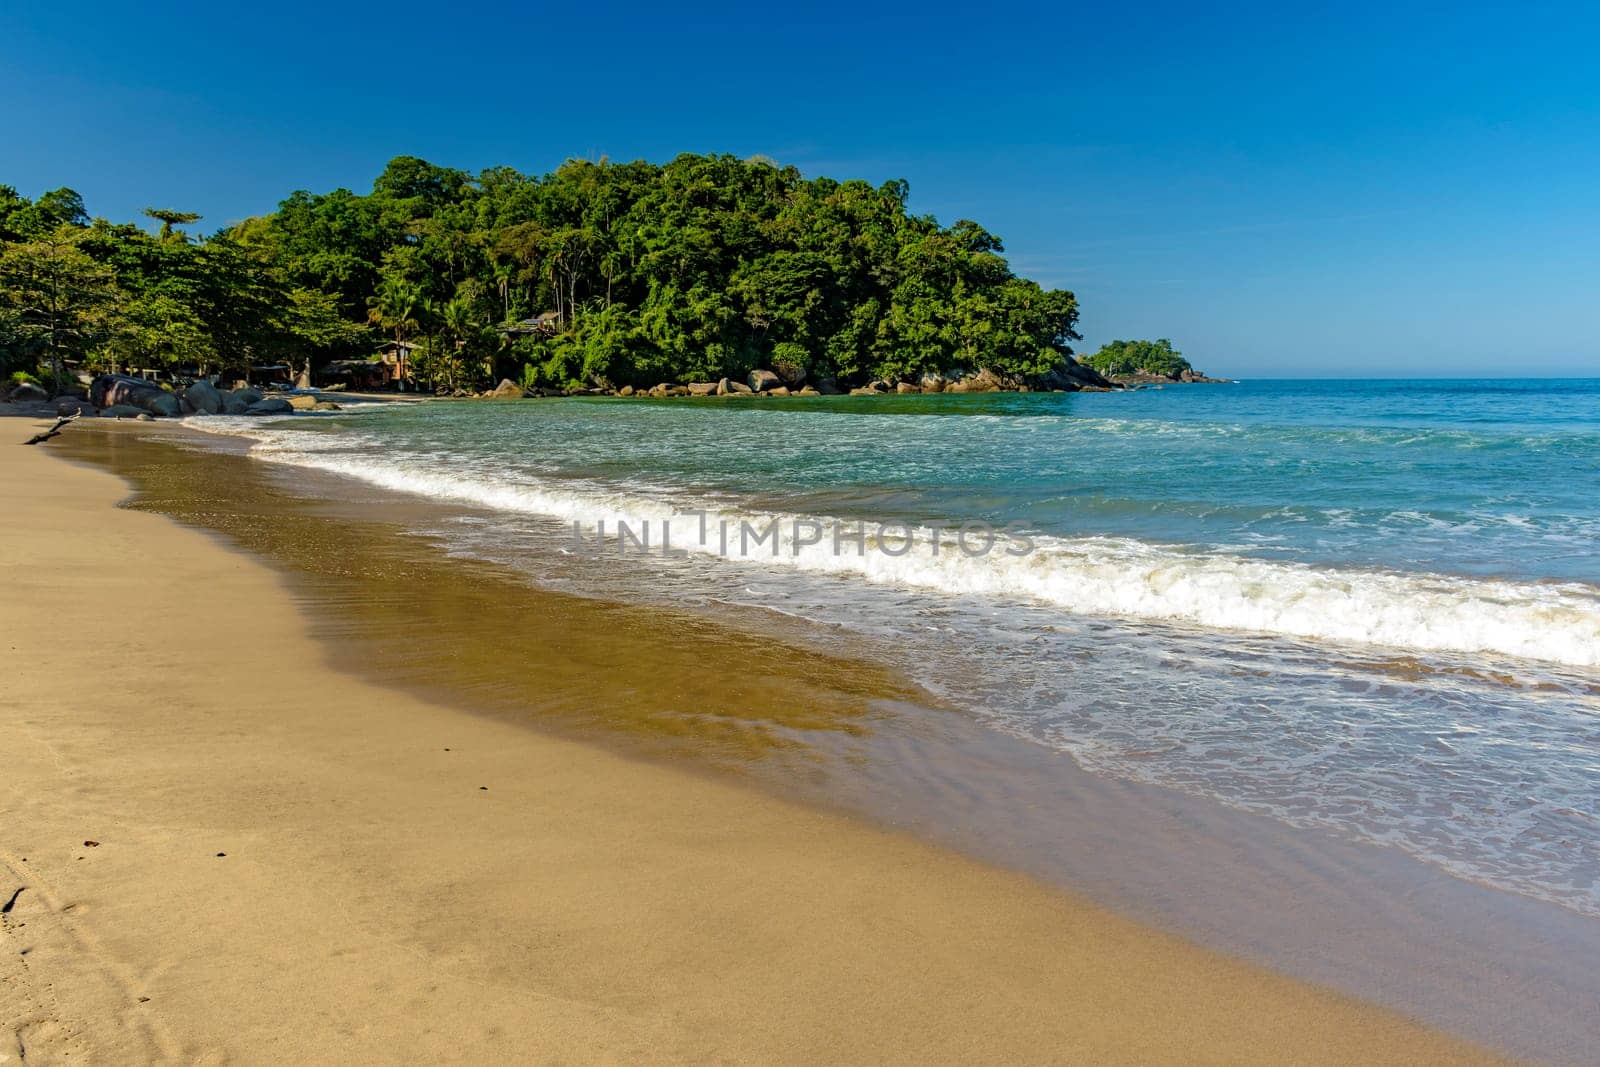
[159,695]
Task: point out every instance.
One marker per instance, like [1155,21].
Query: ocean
[1366,607]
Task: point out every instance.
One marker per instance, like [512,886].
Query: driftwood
[52,431]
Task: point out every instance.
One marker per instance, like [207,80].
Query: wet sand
[400,880]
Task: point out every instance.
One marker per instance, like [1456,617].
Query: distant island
[599,277]
[1144,362]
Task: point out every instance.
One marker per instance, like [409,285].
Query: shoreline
[376,902]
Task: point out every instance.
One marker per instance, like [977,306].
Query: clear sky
[1358,189]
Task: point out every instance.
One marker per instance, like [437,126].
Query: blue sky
[1351,190]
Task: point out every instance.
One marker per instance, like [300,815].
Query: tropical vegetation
[1139,357]
[639,273]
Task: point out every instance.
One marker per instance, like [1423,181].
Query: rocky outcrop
[302,401]
[122,411]
[27,393]
[110,390]
[203,398]
[906,387]
[703,388]
[272,405]
[508,390]
[763,381]
[828,387]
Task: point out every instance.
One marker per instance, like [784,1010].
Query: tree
[60,302]
[169,219]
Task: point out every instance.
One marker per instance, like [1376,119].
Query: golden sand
[405,883]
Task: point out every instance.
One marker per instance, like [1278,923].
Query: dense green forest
[703,267]
[1139,357]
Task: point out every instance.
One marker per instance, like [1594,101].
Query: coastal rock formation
[781,390]
[626,390]
[703,388]
[272,405]
[203,397]
[27,393]
[762,381]
[828,387]
[907,387]
[933,383]
[110,390]
[75,405]
[122,411]
[507,390]
[235,404]
[302,401]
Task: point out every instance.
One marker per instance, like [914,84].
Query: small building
[545,324]
[357,374]
[395,360]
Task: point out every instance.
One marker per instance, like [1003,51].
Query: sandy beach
[217,847]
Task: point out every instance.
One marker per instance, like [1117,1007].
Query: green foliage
[1139,357]
[701,267]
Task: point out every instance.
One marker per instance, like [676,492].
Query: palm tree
[395,307]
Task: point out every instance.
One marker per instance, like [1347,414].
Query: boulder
[762,381]
[739,389]
[862,390]
[880,386]
[659,389]
[27,393]
[958,387]
[724,387]
[327,405]
[203,397]
[145,416]
[806,390]
[782,390]
[703,388]
[122,411]
[272,405]
[626,390]
[109,390]
[828,387]
[302,401]
[249,394]
[234,404]
[508,390]
[184,407]
[73,405]
[792,375]
[907,387]
[933,383]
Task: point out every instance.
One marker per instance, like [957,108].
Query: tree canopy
[693,269]
[1139,357]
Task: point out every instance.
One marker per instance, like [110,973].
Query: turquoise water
[1372,607]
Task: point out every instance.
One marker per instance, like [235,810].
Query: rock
[762,381]
[880,386]
[122,411]
[626,390]
[184,407]
[109,390]
[957,387]
[508,390]
[203,397]
[302,401]
[234,404]
[739,389]
[145,416]
[272,405]
[907,387]
[703,388]
[933,383]
[249,394]
[828,387]
[806,390]
[27,393]
[70,405]
[782,390]
[724,387]
[862,390]
[659,389]
[327,405]
[792,375]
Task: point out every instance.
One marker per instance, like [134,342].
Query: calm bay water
[1370,607]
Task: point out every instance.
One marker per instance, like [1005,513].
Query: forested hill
[703,267]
